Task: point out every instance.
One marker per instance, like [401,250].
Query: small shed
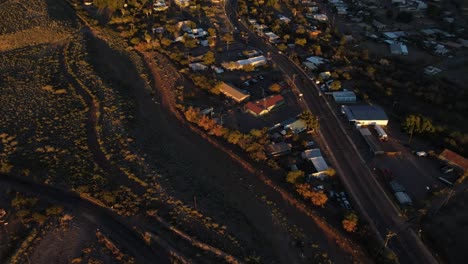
[344,97]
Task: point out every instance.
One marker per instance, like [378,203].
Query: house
[398,48]
[197,66]
[272,37]
[379,25]
[232,92]
[454,159]
[344,97]
[315,157]
[365,114]
[297,126]
[394,35]
[431,70]
[265,105]
[217,70]
[278,149]
[313,62]
[254,61]
[182,3]
[321,17]
[284,19]
[160,5]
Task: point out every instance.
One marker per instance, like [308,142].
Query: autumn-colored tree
[335,85]
[350,222]
[319,198]
[275,88]
[206,123]
[330,172]
[192,114]
[295,176]
[209,58]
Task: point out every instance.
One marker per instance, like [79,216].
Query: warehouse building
[365,115]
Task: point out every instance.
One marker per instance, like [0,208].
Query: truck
[382,135]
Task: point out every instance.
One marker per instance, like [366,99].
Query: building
[254,61]
[296,126]
[321,17]
[197,66]
[233,92]
[454,159]
[317,160]
[272,37]
[278,149]
[344,97]
[403,198]
[160,5]
[182,3]
[265,105]
[365,114]
[431,70]
[398,48]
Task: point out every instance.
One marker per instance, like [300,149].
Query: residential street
[373,203]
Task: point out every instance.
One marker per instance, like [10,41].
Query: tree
[192,114]
[209,58]
[212,32]
[335,85]
[317,50]
[300,41]
[310,120]
[282,47]
[228,38]
[350,222]
[318,198]
[417,124]
[275,88]
[165,42]
[330,172]
[110,4]
[295,176]
[248,68]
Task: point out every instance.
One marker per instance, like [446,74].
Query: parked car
[421,153]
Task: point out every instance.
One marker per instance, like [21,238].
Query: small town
[237,131]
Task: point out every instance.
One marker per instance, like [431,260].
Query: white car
[421,153]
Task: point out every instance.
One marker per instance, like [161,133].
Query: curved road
[106,220]
[373,203]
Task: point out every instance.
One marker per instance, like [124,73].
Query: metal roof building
[344,97]
[365,114]
[232,92]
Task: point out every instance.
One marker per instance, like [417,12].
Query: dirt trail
[107,221]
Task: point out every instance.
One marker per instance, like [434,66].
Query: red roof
[454,158]
[265,104]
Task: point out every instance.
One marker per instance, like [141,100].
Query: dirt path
[234,183]
[107,221]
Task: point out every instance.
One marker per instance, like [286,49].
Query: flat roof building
[365,114]
[232,92]
[344,97]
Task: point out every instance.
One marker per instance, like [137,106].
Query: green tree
[209,58]
[300,41]
[417,124]
[310,120]
[295,176]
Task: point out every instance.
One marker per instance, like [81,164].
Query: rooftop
[364,112]
[265,104]
[233,92]
[454,158]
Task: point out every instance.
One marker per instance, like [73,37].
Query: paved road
[373,203]
[106,220]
